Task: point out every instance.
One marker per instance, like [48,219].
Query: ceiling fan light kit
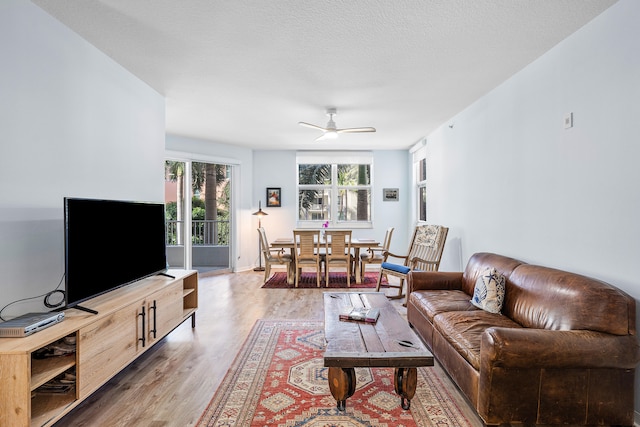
[330,131]
[328,135]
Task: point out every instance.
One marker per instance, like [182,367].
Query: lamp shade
[260,212]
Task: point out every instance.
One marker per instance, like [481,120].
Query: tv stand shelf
[42,370]
[130,320]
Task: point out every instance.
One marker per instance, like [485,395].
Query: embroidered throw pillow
[488,293]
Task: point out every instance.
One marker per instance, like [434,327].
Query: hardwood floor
[174,381]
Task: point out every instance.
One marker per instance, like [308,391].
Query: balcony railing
[203,233]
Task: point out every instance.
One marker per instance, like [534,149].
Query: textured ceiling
[245,72]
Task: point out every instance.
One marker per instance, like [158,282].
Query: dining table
[356,244]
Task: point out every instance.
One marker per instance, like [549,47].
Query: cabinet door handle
[143,337]
[155,328]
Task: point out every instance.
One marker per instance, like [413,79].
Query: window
[334,187]
[419,153]
[422,189]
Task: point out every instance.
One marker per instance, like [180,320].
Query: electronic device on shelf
[109,244]
[28,324]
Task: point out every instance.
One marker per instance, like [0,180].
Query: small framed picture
[390,194]
[273,197]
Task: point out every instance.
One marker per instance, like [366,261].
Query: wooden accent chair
[375,255]
[338,252]
[425,251]
[307,252]
[274,256]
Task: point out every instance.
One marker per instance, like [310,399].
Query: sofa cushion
[463,329]
[479,262]
[489,291]
[542,297]
[436,301]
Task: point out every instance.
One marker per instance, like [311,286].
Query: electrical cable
[46,299]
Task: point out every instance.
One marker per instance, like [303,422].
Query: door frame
[234,164]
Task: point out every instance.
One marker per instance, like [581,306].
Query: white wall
[509,178]
[242,160]
[278,169]
[73,123]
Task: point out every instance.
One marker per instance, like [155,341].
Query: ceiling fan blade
[309,125]
[353,130]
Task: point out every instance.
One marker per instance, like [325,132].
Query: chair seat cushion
[282,258]
[395,267]
[368,258]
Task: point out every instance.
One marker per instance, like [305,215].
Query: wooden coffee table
[388,343]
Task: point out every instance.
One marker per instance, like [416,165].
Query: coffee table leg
[405,383]
[342,383]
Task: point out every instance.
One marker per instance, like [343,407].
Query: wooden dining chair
[273,256]
[306,252]
[424,254]
[338,252]
[375,255]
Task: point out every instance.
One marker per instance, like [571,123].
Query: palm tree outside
[210,231]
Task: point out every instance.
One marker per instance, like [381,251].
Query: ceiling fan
[331,131]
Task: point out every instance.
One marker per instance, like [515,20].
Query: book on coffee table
[360,314]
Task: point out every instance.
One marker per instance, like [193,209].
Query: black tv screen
[109,244]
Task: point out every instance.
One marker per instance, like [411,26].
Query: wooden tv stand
[130,320]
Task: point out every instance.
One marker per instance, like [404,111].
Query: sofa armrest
[425,280]
[543,348]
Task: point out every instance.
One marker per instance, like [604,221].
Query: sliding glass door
[198,210]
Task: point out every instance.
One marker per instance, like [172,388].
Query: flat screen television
[109,244]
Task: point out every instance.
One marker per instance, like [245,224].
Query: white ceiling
[245,72]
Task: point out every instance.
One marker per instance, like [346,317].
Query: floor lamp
[260,213]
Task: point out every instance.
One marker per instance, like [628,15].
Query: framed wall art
[274,199]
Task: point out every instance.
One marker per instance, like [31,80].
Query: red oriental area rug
[277,379]
[336,280]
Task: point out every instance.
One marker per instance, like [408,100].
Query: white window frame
[334,158]
[419,156]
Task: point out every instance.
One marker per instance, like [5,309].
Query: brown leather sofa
[562,351]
